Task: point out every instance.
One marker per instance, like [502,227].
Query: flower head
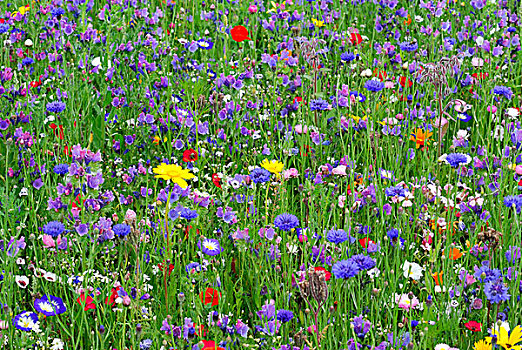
[274,166]
[421,138]
[50,305]
[286,221]
[25,321]
[210,246]
[174,173]
[259,175]
[54,228]
[374,85]
[345,269]
[505,340]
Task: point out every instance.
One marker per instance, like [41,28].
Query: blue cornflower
[318,105]
[395,191]
[374,85]
[337,236]
[409,47]
[347,56]
[145,344]
[61,169]
[286,222]
[55,107]
[121,230]
[456,159]
[27,61]
[364,262]
[4,28]
[284,315]
[58,11]
[345,269]
[188,214]
[54,228]
[496,292]
[503,91]
[260,175]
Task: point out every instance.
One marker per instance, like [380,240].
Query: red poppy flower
[36,83]
[190,155]
[111,300]
[211,345]
[381,74]
[86,301]
[298,99]
[58,130]
[365,241]
[356,39]
[171,267]
[473,326]
[328,274]
[307,148]
[210,296]
[216,180]
[403,81]
[239,34]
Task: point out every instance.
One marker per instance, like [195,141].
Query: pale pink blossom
[48,241]
[290,173]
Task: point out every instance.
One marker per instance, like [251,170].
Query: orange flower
[421,138]
[437,276]
[408,22]
[455,254]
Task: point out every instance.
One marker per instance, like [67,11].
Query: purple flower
[361,326]
[513,254]
[25,321]
[54,228]
[374,85]
[121,230]
[496,292]
[50,305]
[284,315]
[13,247]
[364,262]
[337,236]
[210,247]
[345,269]
[260,175]
[286,222]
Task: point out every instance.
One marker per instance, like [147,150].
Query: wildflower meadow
[228,174]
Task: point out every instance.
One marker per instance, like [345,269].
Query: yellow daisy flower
[482,345]
[274,166]
[174,173]
[317,23]
[508,341]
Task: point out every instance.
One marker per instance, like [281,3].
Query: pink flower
[342,200]
[48,241]
[404,302]
[340,170]
[312,329]
[289,173]
[252,8]
[300,129]
[492,109]
[389,84]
